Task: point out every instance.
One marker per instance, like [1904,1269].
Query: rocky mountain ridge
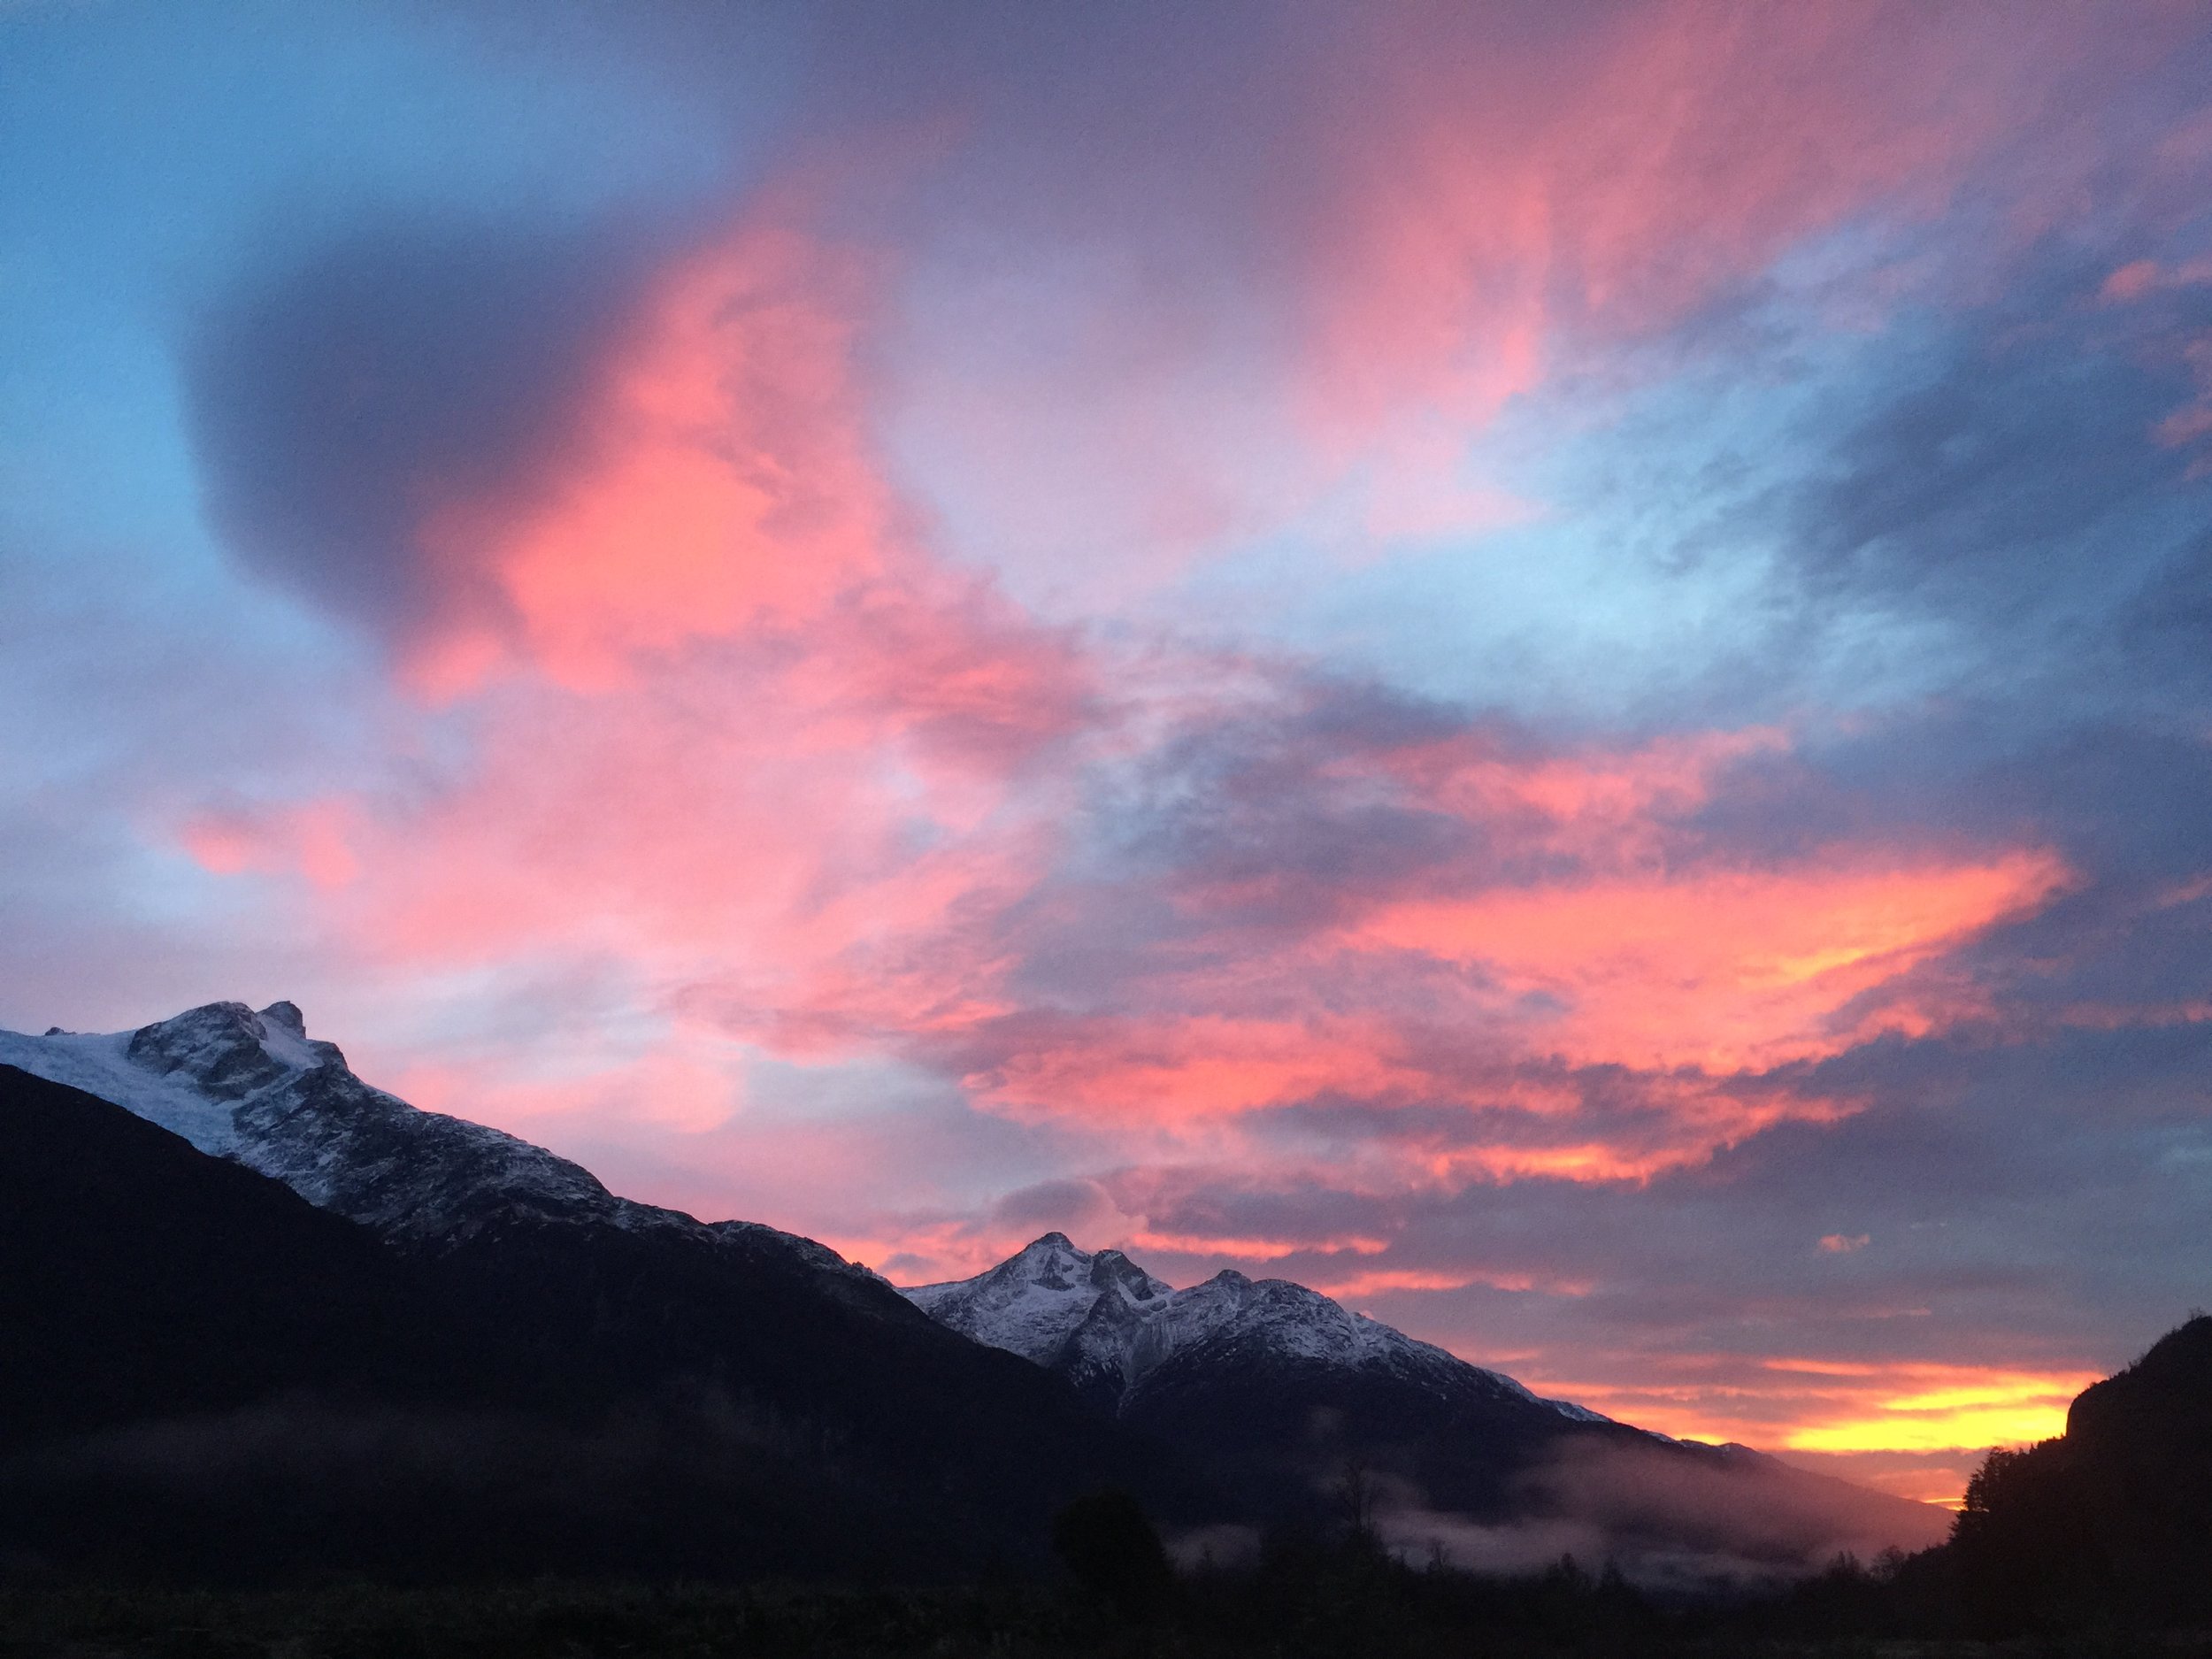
[252,1087]
[631,1363]
[1109,1326]
[1298,1403]
[961,1413]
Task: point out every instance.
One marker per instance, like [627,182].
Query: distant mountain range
[1275,1382]
[1126,1340]
[462,1354]
[1285,1396]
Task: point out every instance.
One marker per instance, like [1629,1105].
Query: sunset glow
[1963,1410]
[1544,666]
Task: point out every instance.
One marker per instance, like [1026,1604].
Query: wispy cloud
[1542,666]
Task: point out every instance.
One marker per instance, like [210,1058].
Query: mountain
[1281,1379]
[585,1317]
[1299,1404]
[1126,1340]
[254,1088]
[2111,1521]
[140,1277]
[461,1353]
[2142,1439]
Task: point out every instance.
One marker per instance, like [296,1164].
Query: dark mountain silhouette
[201,1371]
[142,1279]
[445,1349]
[2110,1521]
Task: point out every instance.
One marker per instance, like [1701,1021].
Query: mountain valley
[443,1282]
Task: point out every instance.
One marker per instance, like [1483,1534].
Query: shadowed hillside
[201,1374]
[2111,1520]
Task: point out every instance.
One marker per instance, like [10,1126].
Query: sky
[1543,665]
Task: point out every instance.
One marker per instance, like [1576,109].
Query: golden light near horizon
[1956,1408]
[1541,665]
[1914,1430]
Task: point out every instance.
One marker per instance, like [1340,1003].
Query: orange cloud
[1377,1281]
[1257,1249]
[1642,952]
[1177,1068]
[1726,970]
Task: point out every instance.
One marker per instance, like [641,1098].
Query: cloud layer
[1544,668]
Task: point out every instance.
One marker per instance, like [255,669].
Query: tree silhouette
[1109,1546]
[2027,1553]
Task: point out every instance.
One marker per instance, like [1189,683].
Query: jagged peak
[1101,1316]
[1111,1269]
[287,1015]
[1054,1262]
[254,1088]
[1040,1253]
[228,1049]
[210,1017]
[1048,1261]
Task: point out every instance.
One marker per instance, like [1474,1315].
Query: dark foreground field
[572,1621]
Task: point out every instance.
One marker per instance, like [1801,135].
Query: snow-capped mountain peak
[1110,1327]
[254,1088]
[187,1074]
[1033,1303]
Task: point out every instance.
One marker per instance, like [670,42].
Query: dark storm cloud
[337,401]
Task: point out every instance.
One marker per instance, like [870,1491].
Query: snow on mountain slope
[1107,1325]
[1032,1303]
[254,1088]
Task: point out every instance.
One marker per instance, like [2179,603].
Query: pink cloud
[315,839]
[1481,206]
[680,1086]
[1446,214]
[1722,970]
[718,484]
[812,878]
[731,717]
[2141,277]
